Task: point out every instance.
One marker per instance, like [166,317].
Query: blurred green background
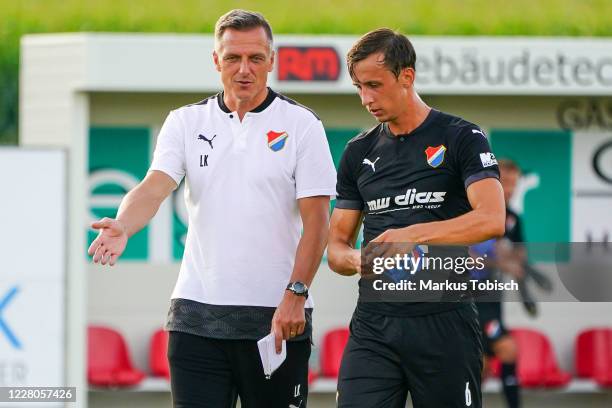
[429,17]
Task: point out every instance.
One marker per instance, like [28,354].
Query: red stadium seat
[537,365]
[312,375]
[494,367]
[158,354]
[594,355]
[332,348]
[108,360]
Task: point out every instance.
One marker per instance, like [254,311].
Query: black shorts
[206,372]
[435,357]
[492,324]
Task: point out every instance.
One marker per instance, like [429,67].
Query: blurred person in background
[502,257]
[431,349]
[257,169]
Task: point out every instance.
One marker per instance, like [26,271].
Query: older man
[257,168]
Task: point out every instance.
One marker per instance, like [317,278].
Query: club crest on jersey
[493,329]
[276,140]
[435,155]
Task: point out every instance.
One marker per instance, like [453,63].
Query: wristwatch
[298,288]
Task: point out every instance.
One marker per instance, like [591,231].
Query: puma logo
[478,131]
[209,141]
[369,163]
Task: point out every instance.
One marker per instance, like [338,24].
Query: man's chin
[245,94]
[381,119]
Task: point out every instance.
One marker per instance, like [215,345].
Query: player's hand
[110,243]
[289,319]
[354,259]
[390,243]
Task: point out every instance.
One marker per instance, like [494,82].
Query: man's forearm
[472,227]
[342,256]
[289,318]
[309,253]
[137,208]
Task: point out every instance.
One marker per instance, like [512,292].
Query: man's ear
[216,60]
[407,77]
[272,59]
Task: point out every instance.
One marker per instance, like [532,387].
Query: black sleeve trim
[349,204]
[481,175]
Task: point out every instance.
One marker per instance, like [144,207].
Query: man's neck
[243,106]
[413,116]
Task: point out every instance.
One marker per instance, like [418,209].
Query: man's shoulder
[456,124]
[293,107]
[365,138]
[357,147]
[196,107]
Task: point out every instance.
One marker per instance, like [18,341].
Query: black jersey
[514,229]
[401,180]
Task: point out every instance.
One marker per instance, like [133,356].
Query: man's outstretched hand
[110,242]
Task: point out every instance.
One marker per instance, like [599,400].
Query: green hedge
[428,17]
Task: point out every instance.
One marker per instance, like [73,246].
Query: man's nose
[244,66]
[366,97]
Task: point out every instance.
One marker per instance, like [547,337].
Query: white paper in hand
[267,351]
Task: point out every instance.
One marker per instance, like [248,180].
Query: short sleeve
[315,174]
[169,155]
[473,156]
[347,192]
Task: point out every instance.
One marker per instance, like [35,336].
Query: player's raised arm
[136,210]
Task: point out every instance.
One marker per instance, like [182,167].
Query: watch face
[299,287]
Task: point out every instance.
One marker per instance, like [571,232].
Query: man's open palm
[110,243]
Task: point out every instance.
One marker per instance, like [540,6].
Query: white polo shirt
[243,180]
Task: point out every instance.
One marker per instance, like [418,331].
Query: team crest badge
[435,155]
[276,140]
[493,329]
